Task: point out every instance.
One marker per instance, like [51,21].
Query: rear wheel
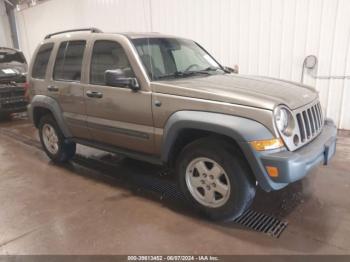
[55,145]
[215,178]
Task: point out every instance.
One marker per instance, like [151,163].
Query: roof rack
[91,29]
[8,48]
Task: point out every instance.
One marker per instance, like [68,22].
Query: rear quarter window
[41,61]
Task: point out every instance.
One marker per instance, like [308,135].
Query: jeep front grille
[11,92]
[310,122]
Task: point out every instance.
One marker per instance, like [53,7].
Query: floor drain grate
[262,223]
[164,188]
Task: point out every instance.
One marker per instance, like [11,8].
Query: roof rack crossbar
[91,29]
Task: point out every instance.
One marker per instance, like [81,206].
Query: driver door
[117,116]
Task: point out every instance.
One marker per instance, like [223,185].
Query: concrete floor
[97,205]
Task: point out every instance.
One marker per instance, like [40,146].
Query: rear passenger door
[67,82]
[119,116]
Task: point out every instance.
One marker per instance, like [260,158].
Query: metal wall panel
[265,37]
[57,15]
[5,31]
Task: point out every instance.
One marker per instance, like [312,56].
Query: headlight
[284,120]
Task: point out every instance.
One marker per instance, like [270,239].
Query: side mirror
[234,70]
[117,78]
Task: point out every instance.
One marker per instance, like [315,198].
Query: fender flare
[50,104]
[238,128]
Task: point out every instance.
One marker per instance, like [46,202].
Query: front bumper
[13,107]
[294,165]
[12,100]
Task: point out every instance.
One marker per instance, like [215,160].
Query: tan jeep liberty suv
[166,100]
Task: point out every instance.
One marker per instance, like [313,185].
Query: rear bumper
[295,165]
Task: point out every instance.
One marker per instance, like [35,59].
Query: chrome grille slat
[301,127]
[312,124]
[318,115]
[320,111]
[307,124]
[315,118]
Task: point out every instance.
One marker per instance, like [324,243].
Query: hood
[20,67]
[256,91]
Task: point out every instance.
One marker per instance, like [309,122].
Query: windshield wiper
[212,69]
[175,74]
[179,74]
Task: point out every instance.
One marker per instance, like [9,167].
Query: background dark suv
[13,69]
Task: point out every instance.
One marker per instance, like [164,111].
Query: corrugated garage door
[265,37]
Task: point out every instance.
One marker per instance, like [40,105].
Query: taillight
[26,90]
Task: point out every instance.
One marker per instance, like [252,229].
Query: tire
[62,150]
[234,178]
[5,116]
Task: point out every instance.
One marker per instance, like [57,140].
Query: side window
[107,55]
[69,61]
[41,61]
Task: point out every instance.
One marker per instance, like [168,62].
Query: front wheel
[215,178]
[53,141]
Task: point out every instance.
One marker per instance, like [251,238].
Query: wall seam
[342,104]
[332,57]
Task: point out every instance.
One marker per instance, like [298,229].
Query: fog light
[272,171]
[261,145]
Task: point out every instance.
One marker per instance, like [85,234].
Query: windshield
[173,58]
[12,56]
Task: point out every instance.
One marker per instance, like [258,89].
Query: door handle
[94,94]
[52,88]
